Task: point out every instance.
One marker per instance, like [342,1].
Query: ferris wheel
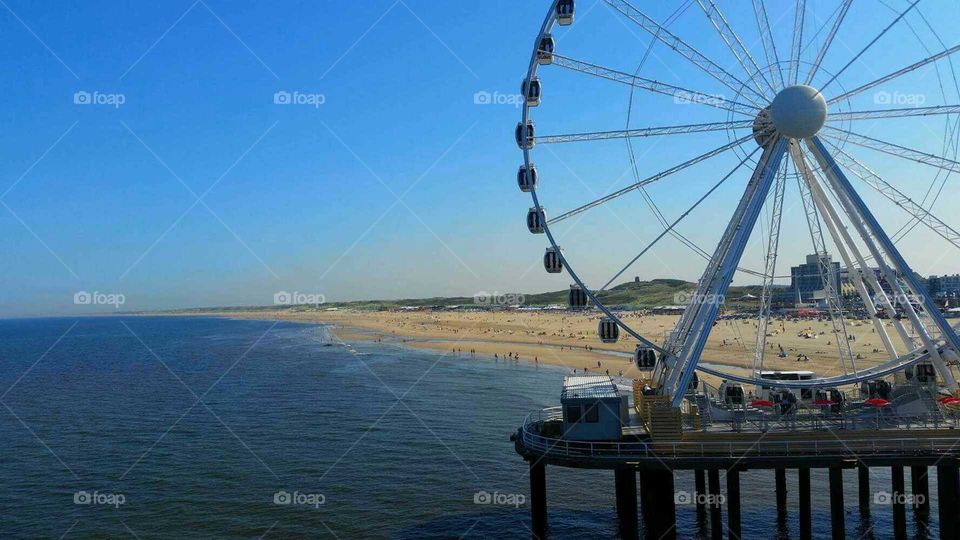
[789,120]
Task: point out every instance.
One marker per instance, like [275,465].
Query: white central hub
[798,112]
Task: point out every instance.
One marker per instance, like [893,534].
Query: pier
[644,465]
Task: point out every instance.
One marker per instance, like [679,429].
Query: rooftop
[589,386]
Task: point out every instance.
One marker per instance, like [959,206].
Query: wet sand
[570,339]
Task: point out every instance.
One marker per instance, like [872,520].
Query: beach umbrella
[761,403]
[948,400]
[877,402]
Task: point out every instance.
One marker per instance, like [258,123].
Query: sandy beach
[570,339]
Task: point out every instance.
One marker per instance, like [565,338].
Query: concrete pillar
[625,480]
[700,485]
[781,475]
[863,474]
[716,512]
[898,499]
[733,503]
[538,498]
[920,486]
[836,504]
[806,519]
[948,479]
[657,503]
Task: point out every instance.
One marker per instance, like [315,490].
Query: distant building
[944,286]
[806,280]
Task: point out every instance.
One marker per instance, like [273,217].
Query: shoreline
[567,339]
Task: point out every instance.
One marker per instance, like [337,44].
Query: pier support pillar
[716,512]
[920,486]
[538,498]
[948,482]
[806,516]
[897,500]
[733,503]
[863,475]
[700,486]
[836,504]
[657,503]
[625,480]
[781,475]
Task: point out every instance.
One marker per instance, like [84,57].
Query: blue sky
[396,184]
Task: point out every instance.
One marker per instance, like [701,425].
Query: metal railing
[835,446]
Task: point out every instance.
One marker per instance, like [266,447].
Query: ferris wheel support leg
[853,208]
[828,281]
[843,242]
[888,274]
[687,344]
[843,184]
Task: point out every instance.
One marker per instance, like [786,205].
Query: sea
[205,427]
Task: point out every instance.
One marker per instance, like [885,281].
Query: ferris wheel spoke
[649,180]
[769,44]
[899,73]
[814,196]
[697,250]
[799,18]
[643,132]
[683,48]
[872,42]
[807,184]
[918,212]
[895,113]
[679,219]
[829,40]
[735,44]
[770,269]
[893,149]
[680,94]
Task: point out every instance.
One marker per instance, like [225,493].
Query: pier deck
[749,449]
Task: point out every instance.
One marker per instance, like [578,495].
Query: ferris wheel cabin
[609,330]
[525,135]
[545,50]
[536,220]
[527,178]
[531,91]
[552,262]
[576,298]
[565,12]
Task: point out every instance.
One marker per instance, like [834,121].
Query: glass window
[592,415]
[573,413]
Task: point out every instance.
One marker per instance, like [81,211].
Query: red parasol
[947,400]
[877,402]
[761,403]
[824,402]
